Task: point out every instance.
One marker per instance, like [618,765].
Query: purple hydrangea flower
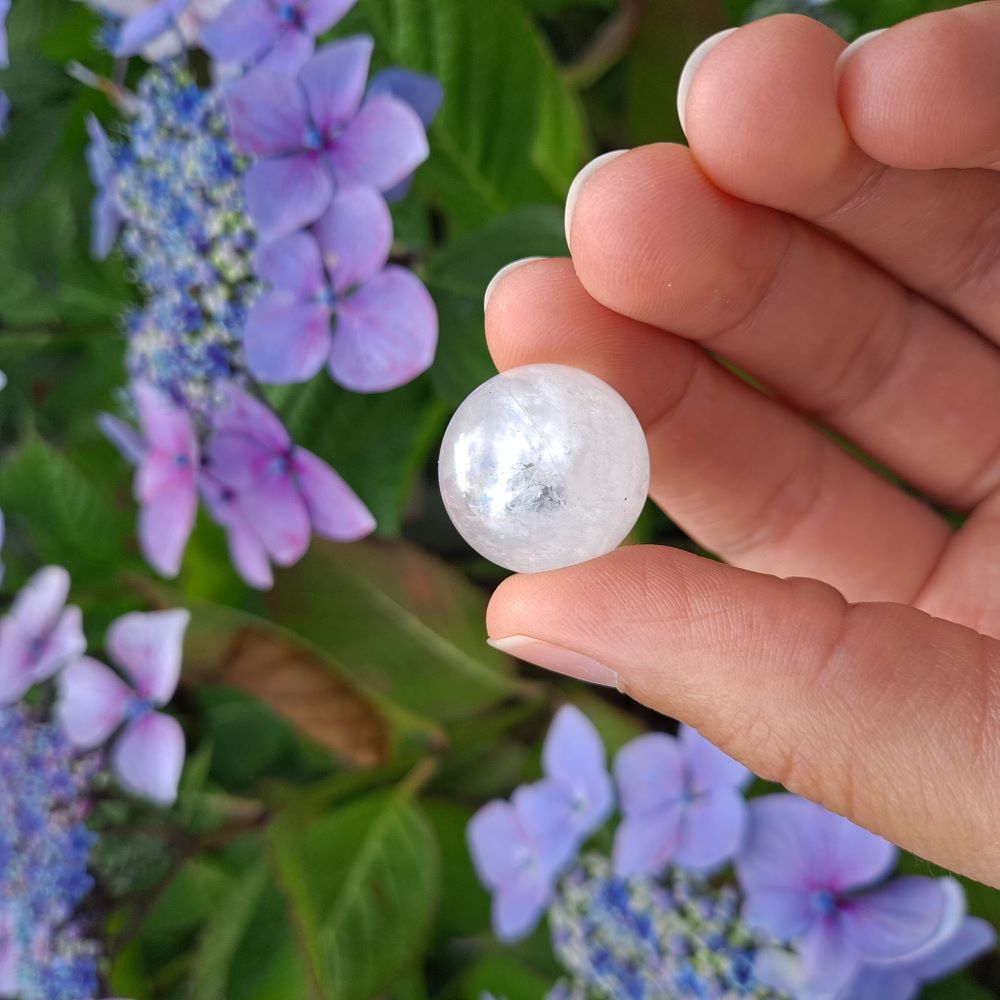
[385,331]
[422,92]
[39,635]
[313,134]
[159,29]
[278,35]
[682,802]
[282,493]
[106,219]
[575,765]
[45,952]
[904,980]
[166,479]
[94,701]
[519,848]
[815,880]
[4,54]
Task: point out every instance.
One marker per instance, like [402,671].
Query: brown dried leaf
[301,688]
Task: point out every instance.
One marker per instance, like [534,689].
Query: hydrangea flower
[575,766]
[817,881]
[422,92]
[681,801]
[94,701]
[904,980]
[518,849]
[640,939]
[45,953]
[106,219]
[39,635]
[521,847]
[283,493]
[312,133]
[385,330]
[159,29]
[4,53]
[277,35]
[166,479]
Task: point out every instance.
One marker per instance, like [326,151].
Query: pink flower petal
[165,525]
[149,756]
[91,704]
[334,508]
[267,113]
[149,647]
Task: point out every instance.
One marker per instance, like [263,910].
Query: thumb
[878,711]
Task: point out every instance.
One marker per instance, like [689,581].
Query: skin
[834,232]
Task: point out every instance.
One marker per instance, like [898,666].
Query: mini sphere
[542,467]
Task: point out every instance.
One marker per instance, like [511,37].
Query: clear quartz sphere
[542,467]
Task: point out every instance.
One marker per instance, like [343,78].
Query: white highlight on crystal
[691,68]
[542,467]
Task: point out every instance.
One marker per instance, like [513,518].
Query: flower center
[278,466]
[314,139]
[288,13]
[825,902]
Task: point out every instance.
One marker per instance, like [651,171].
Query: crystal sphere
[542,467]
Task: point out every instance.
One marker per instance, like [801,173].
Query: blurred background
[342,728]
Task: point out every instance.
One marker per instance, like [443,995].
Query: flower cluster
[814,913]
[49,760]
[255,217]
[636,938]
[45,951]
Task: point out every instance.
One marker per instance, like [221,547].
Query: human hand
[834,231]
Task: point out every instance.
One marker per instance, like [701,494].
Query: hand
[834,232]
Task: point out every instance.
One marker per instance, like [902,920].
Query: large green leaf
[509,132]
[363,885]
[458,278]
[400,620]
[66,514]
[222,933]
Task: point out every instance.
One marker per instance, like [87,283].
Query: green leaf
[377,442]
[66,514]
[509,132]
[504,975]
[668,32]
[363,884]
[465,905]
[457,279]
[398,619]
[222,933]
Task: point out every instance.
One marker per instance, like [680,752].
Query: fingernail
[495,280]
[581,178]
[556,658]
[691,67]
[841,63]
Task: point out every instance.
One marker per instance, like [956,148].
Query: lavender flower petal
[285,195]
[335,510]
[92,702]
[267,114]
[286,341]
[149,647]
[355,235]
[334,83]
[149,756]
[386,333]
[383,145]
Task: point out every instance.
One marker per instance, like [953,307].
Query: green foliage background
[317,850]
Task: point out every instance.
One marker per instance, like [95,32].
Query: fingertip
[692,66]
[576,188]
[501,274]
